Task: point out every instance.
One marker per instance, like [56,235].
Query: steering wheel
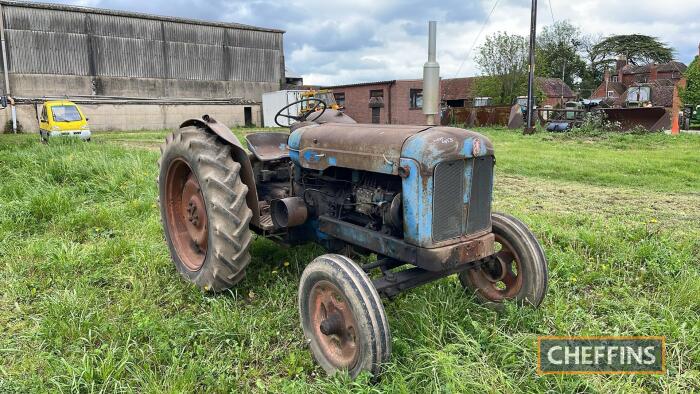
[300,118]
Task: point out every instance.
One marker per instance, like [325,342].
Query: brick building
[556,92]
[460,92]
[401,101]
[654,83]
[395,101]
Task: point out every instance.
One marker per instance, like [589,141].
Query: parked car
[61,118]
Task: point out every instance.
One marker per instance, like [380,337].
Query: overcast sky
[367,40]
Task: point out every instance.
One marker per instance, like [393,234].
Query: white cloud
[349,41]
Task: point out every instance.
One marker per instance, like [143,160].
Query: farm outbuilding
[132,71]
[401,101]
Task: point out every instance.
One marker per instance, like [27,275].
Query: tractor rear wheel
[518,272]
[343,317]
[203,209]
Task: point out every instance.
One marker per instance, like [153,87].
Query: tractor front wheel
[203,209]
[518,270]
[343,317]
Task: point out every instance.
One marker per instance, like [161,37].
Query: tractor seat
[268,146]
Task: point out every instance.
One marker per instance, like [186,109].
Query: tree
[492,86]
[637,48]
[595,66]
[503,59]
[691,94]
[558,48]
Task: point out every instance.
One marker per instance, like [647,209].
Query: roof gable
[554,87]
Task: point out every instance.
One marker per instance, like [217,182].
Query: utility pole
[530,126]
[563,75]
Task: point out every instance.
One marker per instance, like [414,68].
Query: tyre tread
[230,236]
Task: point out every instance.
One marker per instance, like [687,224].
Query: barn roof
[458,88]
[554,87]
[130,14]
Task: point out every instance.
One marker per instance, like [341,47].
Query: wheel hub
[186,215]
[192,215]
[495,270]
[195,212]
[500,278]
[334,325]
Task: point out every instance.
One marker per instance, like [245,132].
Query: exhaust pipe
[288,212]
[431,79]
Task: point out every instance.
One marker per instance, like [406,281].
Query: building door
[248,116]
[375,114]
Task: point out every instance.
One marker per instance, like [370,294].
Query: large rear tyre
[519,271]
[343,317]
[203,209]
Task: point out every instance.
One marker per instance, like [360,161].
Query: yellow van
[63,118]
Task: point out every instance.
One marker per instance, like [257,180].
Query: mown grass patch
[654,161]
[89,300]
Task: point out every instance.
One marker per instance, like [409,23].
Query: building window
[613,78]
[416,98]
[376,93]
[339,99]
[455,103]
[611,93]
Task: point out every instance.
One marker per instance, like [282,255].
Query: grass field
[90,302]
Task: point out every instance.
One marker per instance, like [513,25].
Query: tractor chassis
[429,264]
[392,283]
[435,259]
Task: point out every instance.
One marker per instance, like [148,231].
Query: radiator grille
[448,200]
[451,216]
[479,216]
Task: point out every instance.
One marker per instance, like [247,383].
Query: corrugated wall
[81,43]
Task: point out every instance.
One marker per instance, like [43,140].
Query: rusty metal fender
[238,153]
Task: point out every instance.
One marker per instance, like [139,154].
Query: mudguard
[238,153]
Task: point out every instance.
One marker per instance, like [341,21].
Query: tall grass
[90,302]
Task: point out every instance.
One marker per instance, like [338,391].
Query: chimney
[606,75]
[653,72]
[621,63]
[431,79]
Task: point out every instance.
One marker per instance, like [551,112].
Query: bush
[8,127]
[597,123]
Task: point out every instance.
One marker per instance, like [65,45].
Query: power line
[551,11]
[483,26]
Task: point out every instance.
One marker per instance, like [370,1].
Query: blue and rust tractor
[418,197]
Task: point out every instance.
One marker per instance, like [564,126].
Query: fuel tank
[379,148]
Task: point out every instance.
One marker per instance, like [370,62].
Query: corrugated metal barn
[126,68]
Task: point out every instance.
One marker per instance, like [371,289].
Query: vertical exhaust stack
[431,79]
